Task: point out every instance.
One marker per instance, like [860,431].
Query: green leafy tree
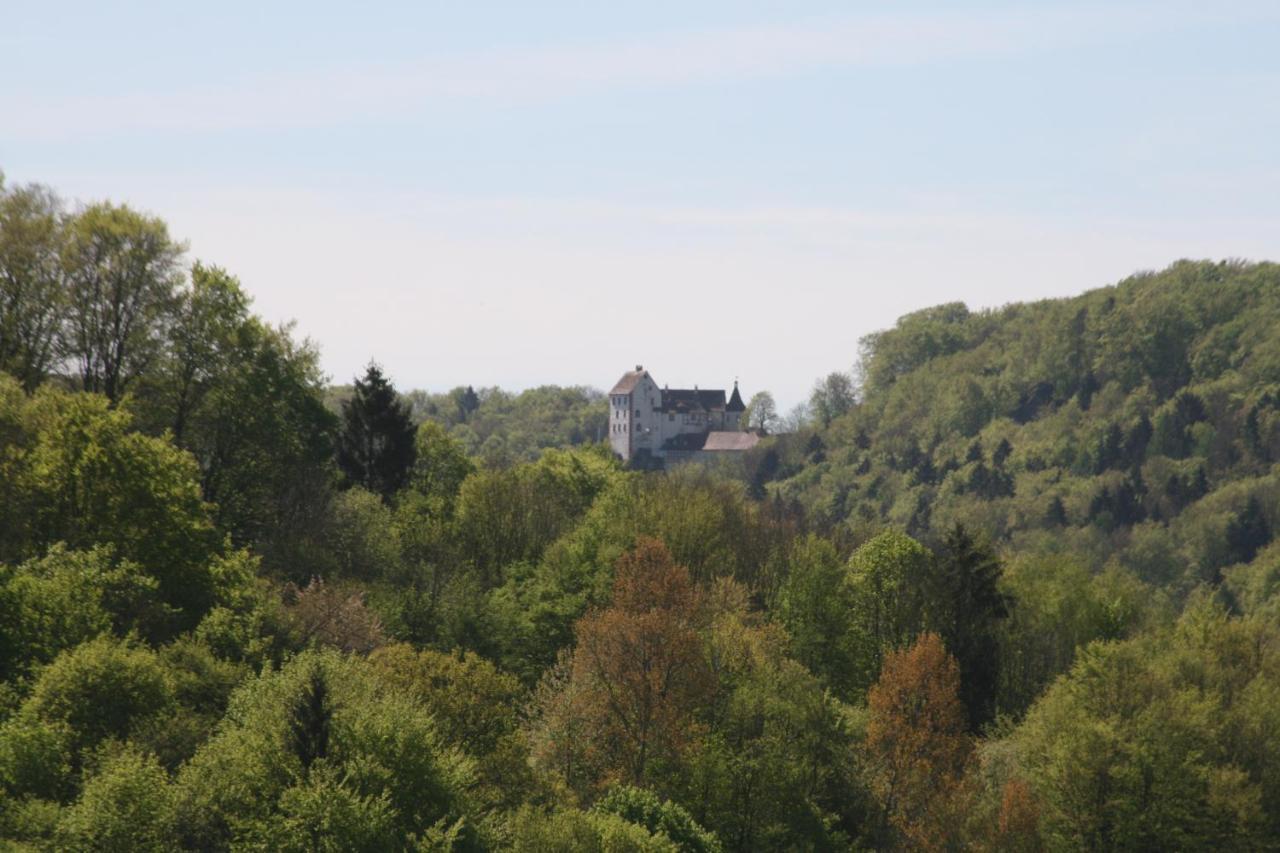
[264,440]
[362,536]
[440,465]
[420,597]
[777,768]
[33,295]
[514,514]
[815,604]
[761,413]
[886,582]
[203,346]
[201,684]
[36,758]
[104,688]
[477,708]
[53,603]
[122,270]
[126,805]
[1059,607]
[702,519]
[660,817]
[376,445]
[568,830]
[383,777]
[323,812]
[832,397]
[1135,748]
[78,473]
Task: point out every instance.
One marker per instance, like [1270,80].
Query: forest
[1007,584]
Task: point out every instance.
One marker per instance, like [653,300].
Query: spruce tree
[965,606]
[376,447]
[310,719]
[1248,532]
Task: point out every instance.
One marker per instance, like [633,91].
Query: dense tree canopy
[1010,584]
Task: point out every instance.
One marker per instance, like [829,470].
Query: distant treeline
[500,426]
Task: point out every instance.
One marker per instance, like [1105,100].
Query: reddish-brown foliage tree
[1019,826]
[916,737]
[638,673]
[331,616]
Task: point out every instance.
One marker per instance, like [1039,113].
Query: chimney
[639,367]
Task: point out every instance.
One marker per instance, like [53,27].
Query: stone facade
[651,426]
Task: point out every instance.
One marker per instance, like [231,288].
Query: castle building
[651,426]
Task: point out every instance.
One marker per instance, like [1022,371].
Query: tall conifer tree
[376,449]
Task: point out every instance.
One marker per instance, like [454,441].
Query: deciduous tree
[761,413]
[638,669]
[832,397]
[204,340]
[917,739]
[123,271]
[33,296]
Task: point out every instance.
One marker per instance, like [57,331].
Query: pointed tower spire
[735,401]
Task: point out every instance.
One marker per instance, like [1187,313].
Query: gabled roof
[629,380]
[692,400]
[735,401]
[725,440]
[714,441]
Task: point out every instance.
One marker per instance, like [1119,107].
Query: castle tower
[734,409]
[633,414]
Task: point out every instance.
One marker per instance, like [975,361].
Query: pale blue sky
[532,193]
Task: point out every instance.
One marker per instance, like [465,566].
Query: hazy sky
[530,193]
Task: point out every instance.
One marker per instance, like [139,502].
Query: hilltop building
[652,427]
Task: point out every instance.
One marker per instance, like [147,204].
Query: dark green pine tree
[376,448]
[1248,532]
[469,402]
[965,607]
[310,719]
[1056,514]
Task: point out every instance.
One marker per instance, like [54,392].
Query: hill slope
[1137,423]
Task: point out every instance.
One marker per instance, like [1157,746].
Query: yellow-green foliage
[1068,424]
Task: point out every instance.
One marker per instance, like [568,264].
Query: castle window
[637,413]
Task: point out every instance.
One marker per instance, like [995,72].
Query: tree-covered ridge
[236,615]
[506,427]
[1135,425]
[501,427]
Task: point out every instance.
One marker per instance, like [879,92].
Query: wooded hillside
[1136,425]
[1015,590]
